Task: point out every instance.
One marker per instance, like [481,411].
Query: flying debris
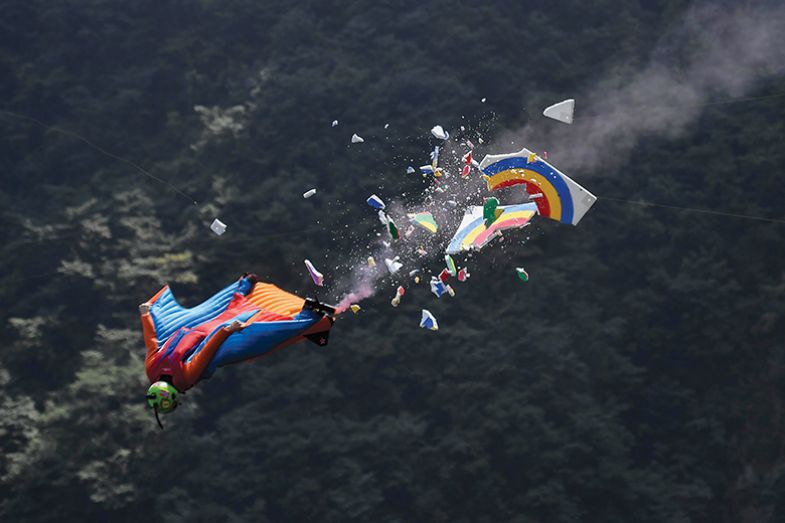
[522,274]
[410,170]
[472,234]
[451,268]
[218,227]
[483,100]
[357,139]
[394,233]
[463,275]
[489,213]
[355,308]
[444,276]
[309,193]
[335,122]
[386,125]
[439,132]
[465,171]
[428,321]
[371,262]
[383,218]
[562,199]
[424,220]
[393,265]
[399,292]
[375,202]
[435,157]
[316,276]
[561,112]
[438,287]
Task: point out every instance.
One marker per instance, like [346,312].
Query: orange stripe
[273,299]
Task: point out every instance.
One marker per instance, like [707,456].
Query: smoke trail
[713,52]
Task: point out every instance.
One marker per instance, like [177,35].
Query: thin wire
[695,209]
[100,150]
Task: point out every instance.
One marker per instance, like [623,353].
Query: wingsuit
[245,320]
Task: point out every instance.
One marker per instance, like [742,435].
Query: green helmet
[162,396]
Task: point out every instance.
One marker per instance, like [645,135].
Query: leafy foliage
[637,377]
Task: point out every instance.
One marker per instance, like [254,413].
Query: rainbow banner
[473,235]
[560,198]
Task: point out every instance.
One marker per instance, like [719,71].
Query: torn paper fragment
[371,262]
[463,275]
[375,202]
[410,170]
[428,321]
[218,227]
[522,274]
[335,122]
[357,139]
[355,308]
[465,171]
[424,220]
[316,276]
[394,233]
[438,287]
[451,268]
[309,193]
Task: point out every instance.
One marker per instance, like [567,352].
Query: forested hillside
[638,376]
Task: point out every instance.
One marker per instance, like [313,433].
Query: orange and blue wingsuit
[185,345]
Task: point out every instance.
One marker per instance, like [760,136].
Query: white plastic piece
[393,265]
[309,193]
[335,122]
[218,227]
[357,139]
[439,132]
[561,112]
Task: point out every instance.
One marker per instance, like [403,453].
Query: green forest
[639,376]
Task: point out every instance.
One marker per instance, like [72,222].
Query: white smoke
[712,53]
